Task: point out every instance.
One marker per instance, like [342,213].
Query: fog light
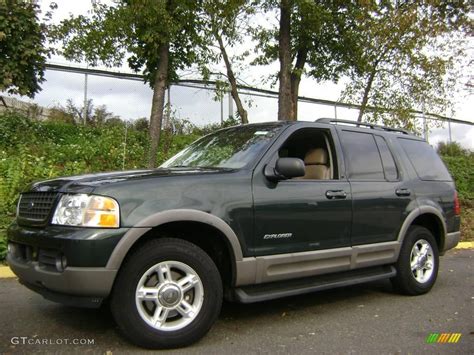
[61,262]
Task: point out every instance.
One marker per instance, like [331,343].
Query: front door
[302,214]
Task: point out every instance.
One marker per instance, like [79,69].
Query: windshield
[233,148]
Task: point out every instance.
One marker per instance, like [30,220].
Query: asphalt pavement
[364,319]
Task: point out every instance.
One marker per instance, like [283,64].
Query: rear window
[427,164]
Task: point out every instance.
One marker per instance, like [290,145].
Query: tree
[226,23]
[156,37]
[77,112]
[313,38]
[285,107]
[22,48]
[71,113]
[405,59]
[102,115]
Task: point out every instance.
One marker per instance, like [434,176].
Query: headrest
[316,156]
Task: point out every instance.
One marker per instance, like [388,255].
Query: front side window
[362,156]
[233,148]
[313,146]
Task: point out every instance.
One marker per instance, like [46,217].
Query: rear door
[379,195]
[301,215]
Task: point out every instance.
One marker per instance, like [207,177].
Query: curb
[465,245]
[5,271]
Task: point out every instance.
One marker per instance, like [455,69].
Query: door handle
[336,194]
[402,192]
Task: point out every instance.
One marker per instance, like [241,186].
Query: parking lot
[364,319]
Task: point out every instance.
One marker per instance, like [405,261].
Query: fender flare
[421,210]
[160,218]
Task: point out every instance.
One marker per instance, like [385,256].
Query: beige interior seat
[317,165]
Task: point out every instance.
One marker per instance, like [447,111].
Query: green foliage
[452,149]
[461,168]
[460,163]
[157,38]
[32,151]
[408,56]
[133,30]
[321,37]
[23,54]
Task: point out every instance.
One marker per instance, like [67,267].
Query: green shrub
[33,150]
[452,149]
[461,168]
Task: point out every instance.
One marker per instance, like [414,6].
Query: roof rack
[356,123]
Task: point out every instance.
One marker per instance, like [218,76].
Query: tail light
[457,206]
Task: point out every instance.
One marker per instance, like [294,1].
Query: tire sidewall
[124,295]
[403,266]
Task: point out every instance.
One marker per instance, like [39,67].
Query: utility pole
[425,123]
[222,109]
[231,106]
[168,109]
[425,127]
[449,128]
[84,110]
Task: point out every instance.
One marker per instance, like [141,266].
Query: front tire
[168,294]
[418,262]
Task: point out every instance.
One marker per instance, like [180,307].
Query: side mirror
[285,168]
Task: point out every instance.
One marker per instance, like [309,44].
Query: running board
[270,291]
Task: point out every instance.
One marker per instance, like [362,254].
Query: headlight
[87,211]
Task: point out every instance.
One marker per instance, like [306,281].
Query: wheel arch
[428,217]
[146,228]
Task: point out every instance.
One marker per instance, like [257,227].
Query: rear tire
[418,262]
[167,294]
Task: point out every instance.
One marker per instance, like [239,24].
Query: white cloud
[459,133]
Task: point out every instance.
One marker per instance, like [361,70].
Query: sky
[132,99]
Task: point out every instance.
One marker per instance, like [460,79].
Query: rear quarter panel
[437,194]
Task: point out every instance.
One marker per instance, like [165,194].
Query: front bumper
[80,281]
[452,239]
[75,286]
[82,247]
[64,264]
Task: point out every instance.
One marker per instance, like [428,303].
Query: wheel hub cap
[422,261]
[169,295]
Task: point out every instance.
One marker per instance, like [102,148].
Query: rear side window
[425,161]
[362,156]
[389,167]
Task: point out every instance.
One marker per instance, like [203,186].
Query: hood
[87,183]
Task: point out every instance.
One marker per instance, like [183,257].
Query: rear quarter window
[426,162]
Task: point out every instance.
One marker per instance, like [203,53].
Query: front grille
[36,206]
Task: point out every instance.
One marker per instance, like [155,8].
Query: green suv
[249,213]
